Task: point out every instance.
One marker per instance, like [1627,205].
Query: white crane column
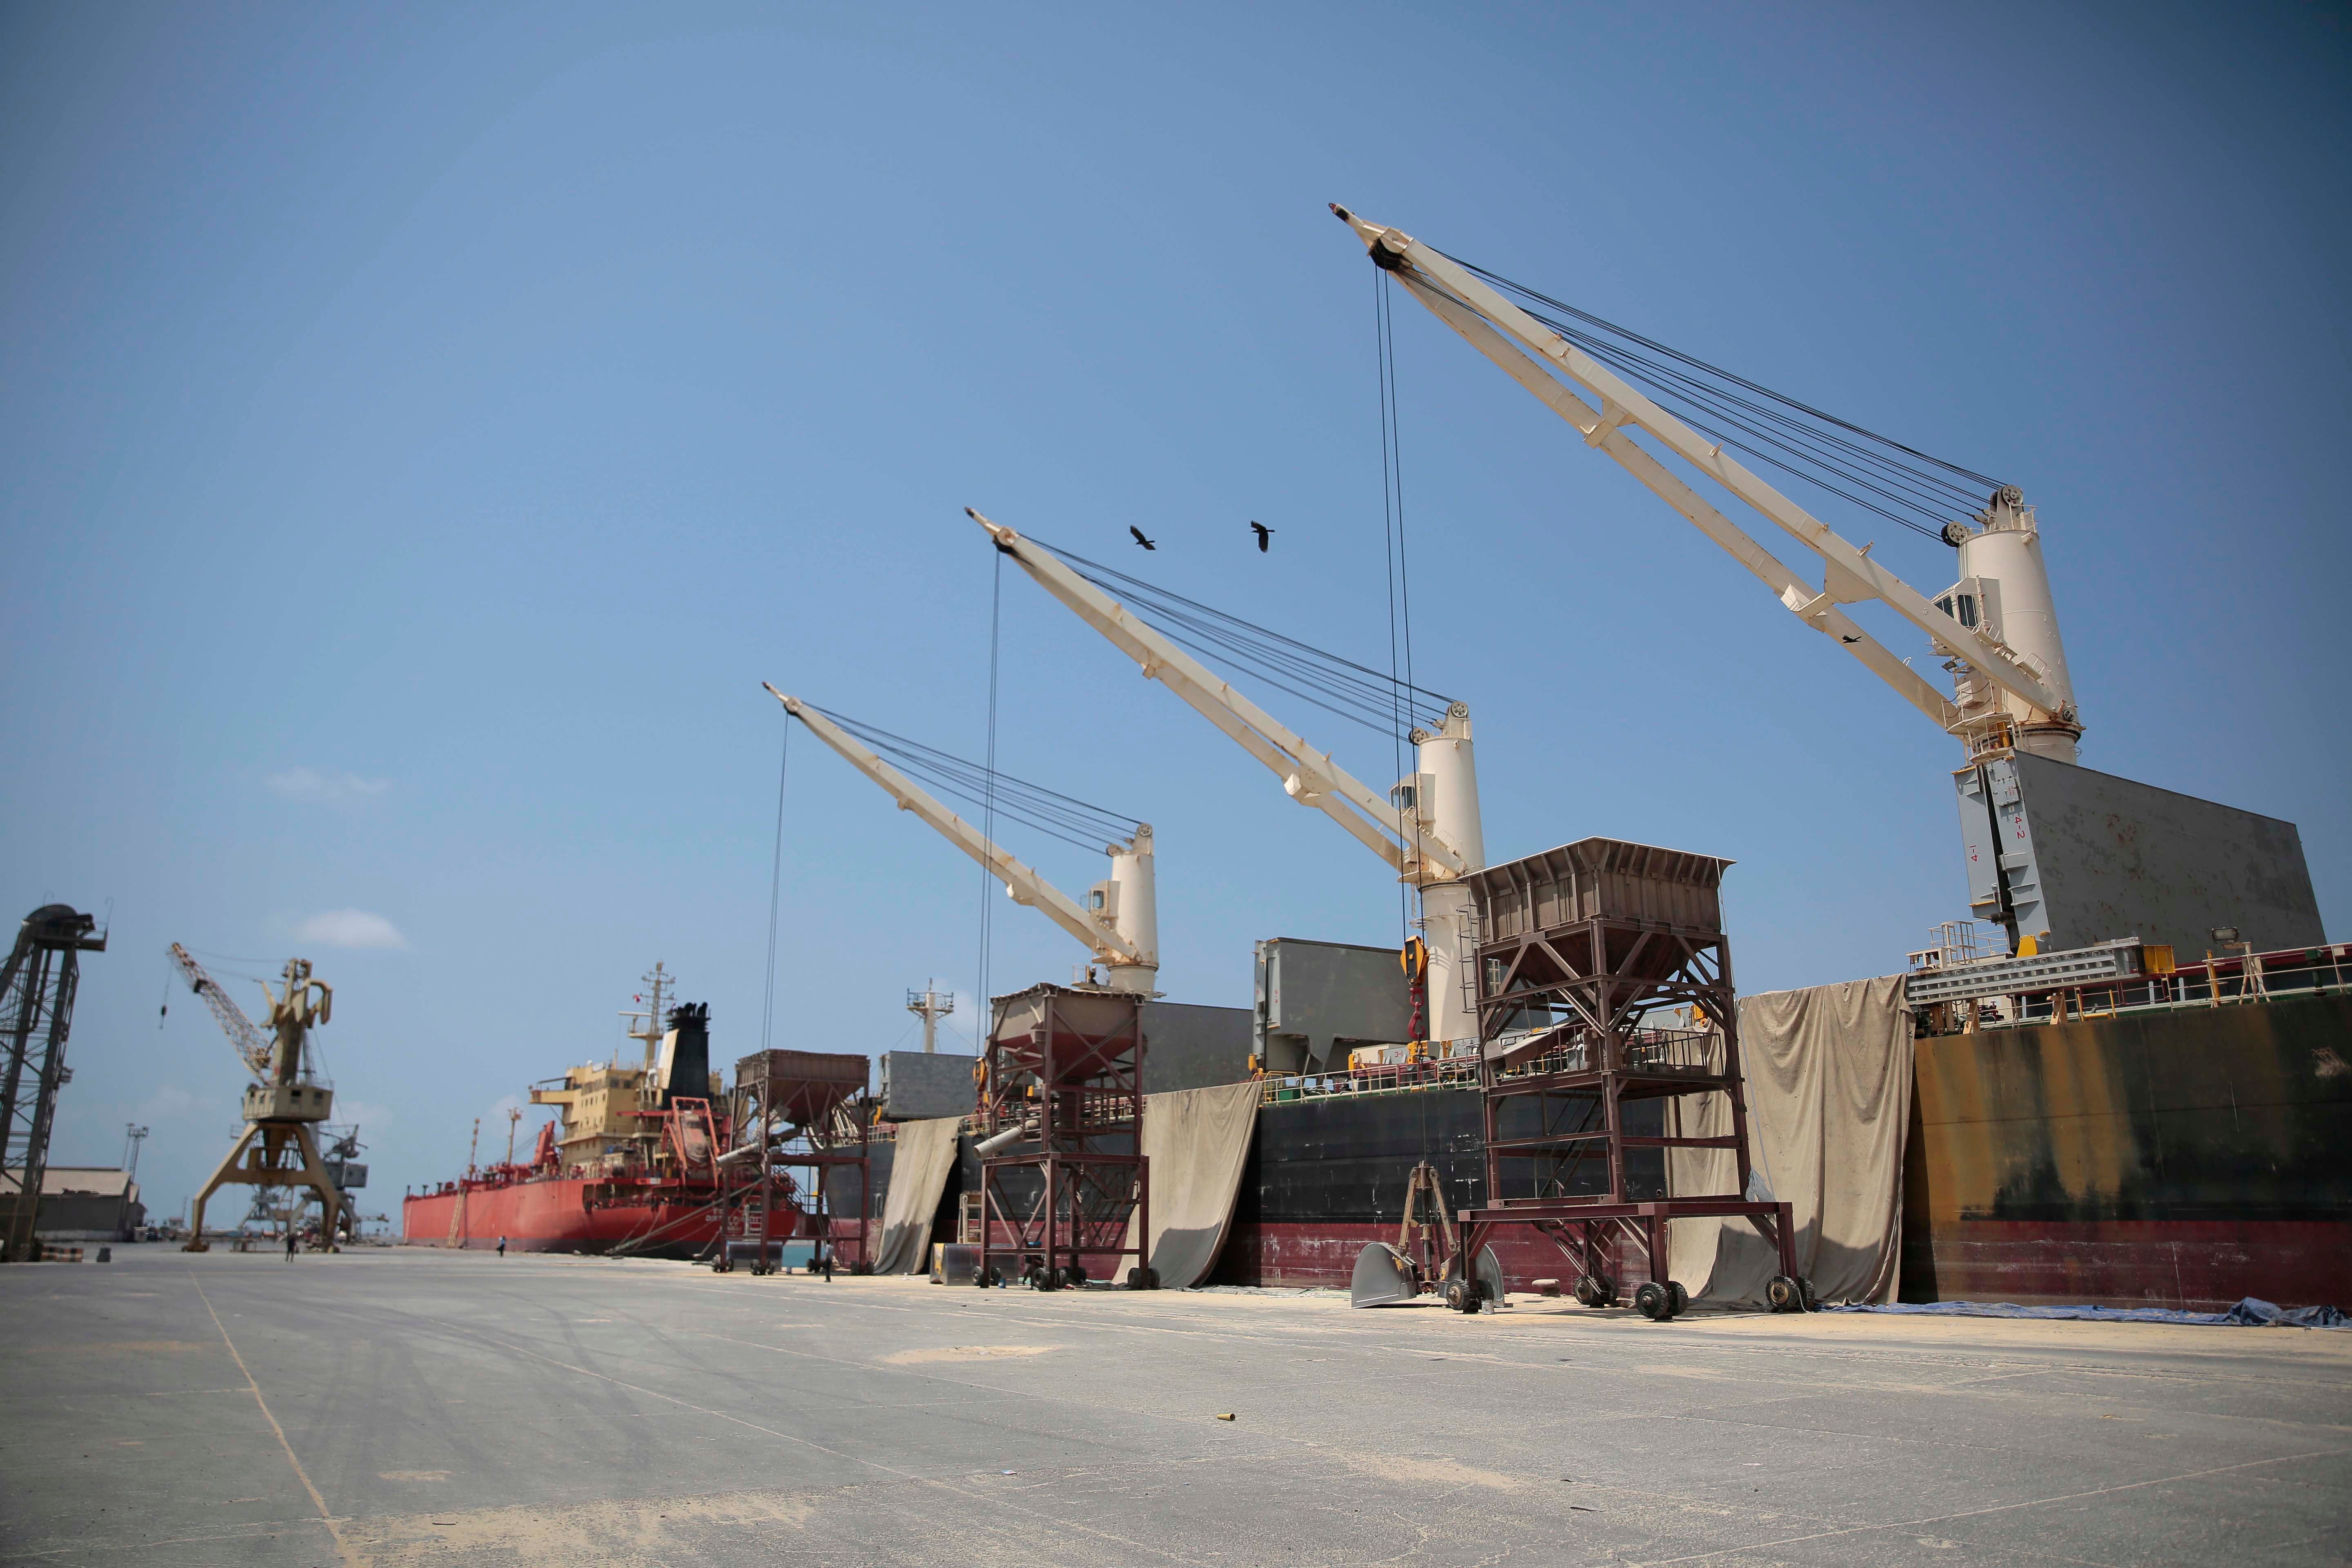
[1128,900]
[2016,606]
[1446,795]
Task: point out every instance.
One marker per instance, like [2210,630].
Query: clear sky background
[426,426]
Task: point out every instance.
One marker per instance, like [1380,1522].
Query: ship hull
[2181,1159]
[2184,1158]
[555,1214]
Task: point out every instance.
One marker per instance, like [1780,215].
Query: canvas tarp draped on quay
[918,1180]
[1197,1140]
[1829,1102]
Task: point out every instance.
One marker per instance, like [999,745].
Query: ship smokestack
[686,1053]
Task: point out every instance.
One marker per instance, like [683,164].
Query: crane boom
[1428,828]
[251,1045]
[1309,777]
[1530,354]
[1133,964]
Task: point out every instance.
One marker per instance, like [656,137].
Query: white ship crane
[1996,628]
[1426,828]
[1119,922]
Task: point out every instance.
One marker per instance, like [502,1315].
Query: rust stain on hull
[2180,1159]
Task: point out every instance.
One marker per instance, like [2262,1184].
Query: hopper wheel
[1658,1301]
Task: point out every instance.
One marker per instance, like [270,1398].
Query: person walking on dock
[289,1244]
[503,1246]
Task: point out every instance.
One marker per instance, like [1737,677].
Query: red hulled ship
[641,1160]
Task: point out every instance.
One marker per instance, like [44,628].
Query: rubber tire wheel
[1680,1297]
[1805,1290]
[1589,1292]
[1039,1279]
[1784,1294]
[1073,1276]
[1455,1289]
[1142,1278]
[1653,1302]
[1473,1296]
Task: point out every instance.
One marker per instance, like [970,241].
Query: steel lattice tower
[37,999]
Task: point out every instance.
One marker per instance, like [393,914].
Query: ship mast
[656,983]
[931,1006]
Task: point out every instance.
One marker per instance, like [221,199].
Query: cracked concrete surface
[396,1407]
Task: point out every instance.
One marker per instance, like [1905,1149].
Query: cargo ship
[2183,1153]
[643,1161]
[625,1168]
[2171,1142]
[2171,1148]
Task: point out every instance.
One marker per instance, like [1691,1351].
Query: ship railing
[2219,980]
[1280,1089]
[1644,1051]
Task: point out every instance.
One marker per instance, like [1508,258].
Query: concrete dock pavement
[412,1407]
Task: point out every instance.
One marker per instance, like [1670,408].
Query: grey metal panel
[1187,1046]
[2019,858]
[917,1087]
[2116,858]
[1312,995]
[1978,844]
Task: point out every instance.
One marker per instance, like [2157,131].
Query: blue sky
[426,427]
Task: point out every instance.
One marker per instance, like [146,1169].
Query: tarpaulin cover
[1829,1102]
[2250,1313]
[1197,1140]
[919,1179]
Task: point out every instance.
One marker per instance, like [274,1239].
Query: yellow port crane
[279,1147]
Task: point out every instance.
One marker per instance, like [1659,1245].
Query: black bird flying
[1261,532]
[1147,543]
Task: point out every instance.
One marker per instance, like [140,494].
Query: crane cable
[1341,687]
[988,801]
[1914,489]
[1400,592]
[1062,816]
[775,887]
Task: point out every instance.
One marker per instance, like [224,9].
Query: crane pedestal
[276,1151]
[1062,1081]
[1605,999]
[278,1147]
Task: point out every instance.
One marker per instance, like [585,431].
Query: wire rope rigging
[1073,821]
[1380,701]
[1901,484]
